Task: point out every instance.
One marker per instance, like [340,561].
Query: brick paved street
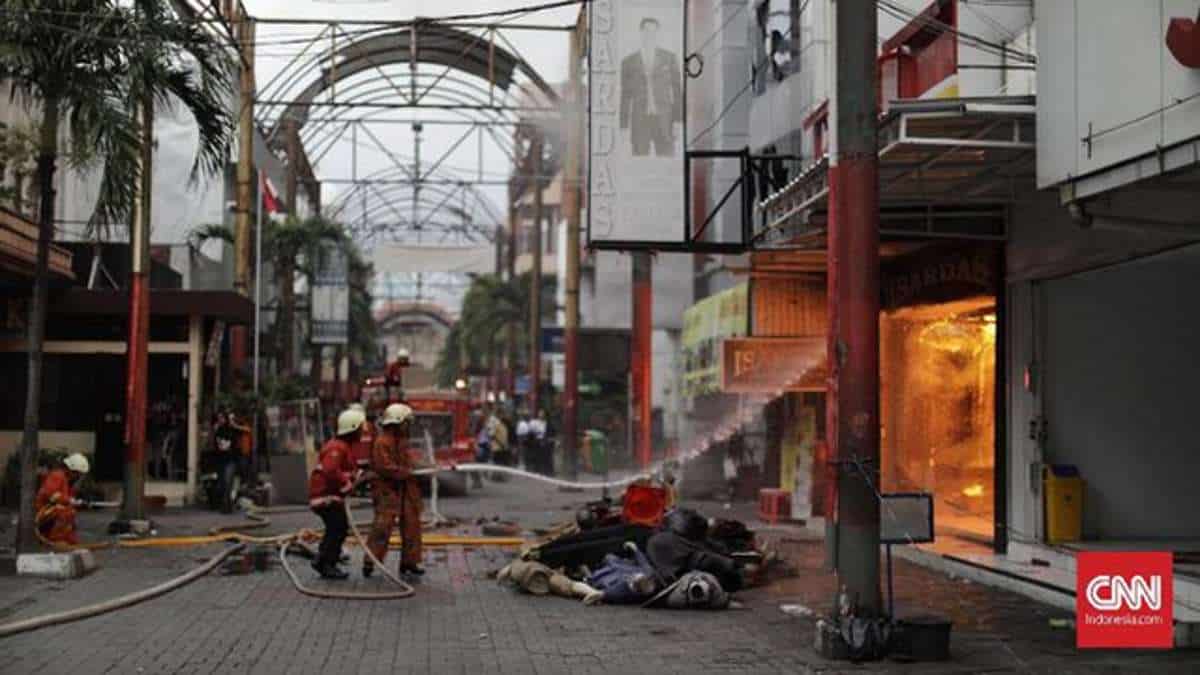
[462,622]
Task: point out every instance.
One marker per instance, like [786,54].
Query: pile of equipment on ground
[649,553]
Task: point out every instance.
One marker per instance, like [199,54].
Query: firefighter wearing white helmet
[332,479]
[395,492]
[396,413]
[55,501]
[78,463]
[350,421]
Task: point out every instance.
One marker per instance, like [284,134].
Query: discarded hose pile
[119,602]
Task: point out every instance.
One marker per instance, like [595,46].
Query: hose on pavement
[404,591]
[260,520]
[120,602]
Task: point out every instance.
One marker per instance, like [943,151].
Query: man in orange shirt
[395,491]
[55,501]
[332,479]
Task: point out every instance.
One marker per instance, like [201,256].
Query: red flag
[269,195]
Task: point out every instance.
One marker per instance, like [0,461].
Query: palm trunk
[47,155]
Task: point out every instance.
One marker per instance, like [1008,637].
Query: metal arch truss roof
[466,75]
[417,44]
[453,212]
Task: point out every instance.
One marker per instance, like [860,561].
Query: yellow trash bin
[1063,496]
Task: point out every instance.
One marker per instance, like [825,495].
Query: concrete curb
[70,565]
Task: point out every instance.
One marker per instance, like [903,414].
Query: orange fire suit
[55,514]
[396,494]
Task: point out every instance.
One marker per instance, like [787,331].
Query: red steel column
[138,344]
[642,352]
[853,277]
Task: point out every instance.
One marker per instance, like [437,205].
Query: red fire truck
[441,419]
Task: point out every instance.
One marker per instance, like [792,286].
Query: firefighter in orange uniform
[395,491]
[331,481]
[55,501]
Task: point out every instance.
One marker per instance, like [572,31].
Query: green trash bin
[596,447]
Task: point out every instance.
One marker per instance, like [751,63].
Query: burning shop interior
[938,403]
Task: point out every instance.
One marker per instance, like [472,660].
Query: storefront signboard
[705,324]
[768,365]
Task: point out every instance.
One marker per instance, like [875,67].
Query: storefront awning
[227,306]
[947,168]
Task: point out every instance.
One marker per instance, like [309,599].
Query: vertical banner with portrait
[636,122]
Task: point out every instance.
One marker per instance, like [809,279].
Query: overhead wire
[992,22]
[970,39]
[741,92]
[515,12]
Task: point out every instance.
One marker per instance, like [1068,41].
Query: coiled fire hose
[120,602]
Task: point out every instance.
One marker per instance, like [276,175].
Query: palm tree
[292,247]
[361,346]
[289,242]
[78,64]
[62,67]
[490,307]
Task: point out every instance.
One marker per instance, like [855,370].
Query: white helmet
[77,463]
[396,413]
[350,421]
[357,407]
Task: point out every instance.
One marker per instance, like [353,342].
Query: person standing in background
[537,441]
[523,447]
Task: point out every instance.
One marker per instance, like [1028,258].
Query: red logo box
[1123,600]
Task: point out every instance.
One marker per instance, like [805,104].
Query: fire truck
[441,423]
